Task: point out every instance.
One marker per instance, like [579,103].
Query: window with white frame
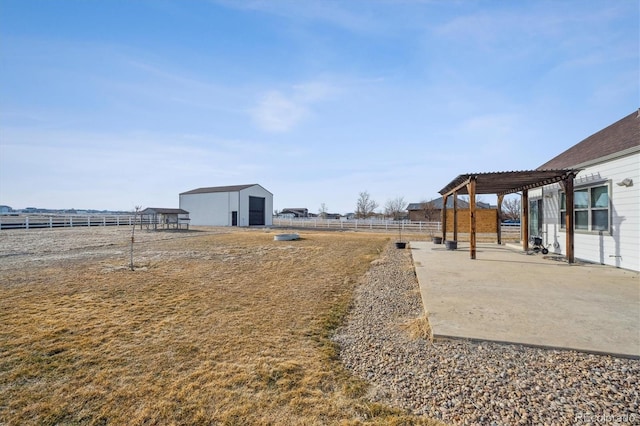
[591,208]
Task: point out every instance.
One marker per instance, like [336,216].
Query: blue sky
[113,104]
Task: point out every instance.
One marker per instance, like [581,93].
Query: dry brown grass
[212,328]
[419,328]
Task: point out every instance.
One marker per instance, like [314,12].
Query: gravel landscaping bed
[466,382]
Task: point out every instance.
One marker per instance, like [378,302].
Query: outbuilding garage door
[256,211]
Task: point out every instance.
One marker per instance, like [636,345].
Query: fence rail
[360,224]
[429,228]
[39,221]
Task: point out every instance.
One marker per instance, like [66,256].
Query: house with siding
[606,197]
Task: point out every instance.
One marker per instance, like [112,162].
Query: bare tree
[511,208]
[395,208]
[365,206]
[133,233]
[322,211]
[431,212]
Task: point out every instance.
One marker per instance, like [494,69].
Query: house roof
[160,210]
[507,182]
[619,138]
[437,204]
[231,188]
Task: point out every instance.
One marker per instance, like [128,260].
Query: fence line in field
[43,220]
[430,228]
[40,221]
[359,224]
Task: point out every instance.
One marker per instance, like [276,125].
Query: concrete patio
[507,295]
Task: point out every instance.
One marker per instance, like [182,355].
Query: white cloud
[358,19]
[276,112]
[280,112]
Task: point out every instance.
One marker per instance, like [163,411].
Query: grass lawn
[213,327]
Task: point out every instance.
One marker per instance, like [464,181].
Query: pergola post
[567,183]
[499,224]
[444,218]
[471,187]
[455,216]
[524,220]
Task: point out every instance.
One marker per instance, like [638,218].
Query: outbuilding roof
[618,138]
[231,188]
[160,210]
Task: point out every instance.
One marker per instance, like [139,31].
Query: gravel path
[464,382]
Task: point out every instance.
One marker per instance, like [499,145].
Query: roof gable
[230,188]
[618,138]
[437,204]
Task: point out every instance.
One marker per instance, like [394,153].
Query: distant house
[294,212]
[5,209]
[606,197]
[431,211]
[333,216]
[236,205]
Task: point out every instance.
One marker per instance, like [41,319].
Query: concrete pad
[510,296]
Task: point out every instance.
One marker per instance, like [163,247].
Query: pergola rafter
[503,183]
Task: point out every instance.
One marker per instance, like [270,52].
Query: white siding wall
[621,246]
[210,209]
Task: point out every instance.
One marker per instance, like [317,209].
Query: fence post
[26,222]
[70,221]
[50,222]
[104,221]
[88,221]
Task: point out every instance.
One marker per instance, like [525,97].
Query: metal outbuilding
[235,205]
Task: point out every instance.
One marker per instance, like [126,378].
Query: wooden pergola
[501,184]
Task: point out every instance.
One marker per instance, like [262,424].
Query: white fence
[39,221]
[509,232]
[360,224]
